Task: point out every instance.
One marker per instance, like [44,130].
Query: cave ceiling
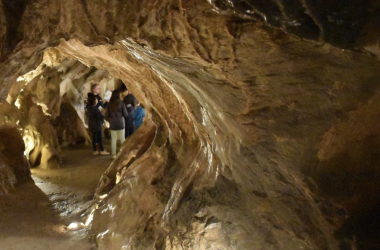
[336,22]
[339,23]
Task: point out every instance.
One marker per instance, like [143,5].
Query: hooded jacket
[116,118]
[129,122]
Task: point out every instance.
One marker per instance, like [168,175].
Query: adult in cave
[96,91]
[115,114]
[129,122]
[127,92]
[95,125]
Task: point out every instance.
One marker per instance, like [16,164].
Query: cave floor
[35,214]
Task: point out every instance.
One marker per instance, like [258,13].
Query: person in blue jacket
[138,115]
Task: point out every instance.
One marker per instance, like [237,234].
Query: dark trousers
[129,131]
[97,138]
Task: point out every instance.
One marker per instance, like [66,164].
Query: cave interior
[262,127]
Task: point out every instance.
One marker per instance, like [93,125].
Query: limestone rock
[238,112]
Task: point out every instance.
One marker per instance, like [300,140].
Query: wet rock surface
[238,113]
[334,22]
[36,214]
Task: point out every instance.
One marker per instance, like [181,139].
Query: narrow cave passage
[50,116]
[37,215]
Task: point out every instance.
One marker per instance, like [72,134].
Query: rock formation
[252,133]
[14,167]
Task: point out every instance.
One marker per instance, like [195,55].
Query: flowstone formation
[248,126]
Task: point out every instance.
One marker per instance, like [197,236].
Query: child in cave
[138,115]
[95,124]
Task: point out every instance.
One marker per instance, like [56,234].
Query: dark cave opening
[349,182]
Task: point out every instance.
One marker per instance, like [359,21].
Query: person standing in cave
[96,91]
[95,125]
[129,122]
[129,94]
[138,115]
[116,112]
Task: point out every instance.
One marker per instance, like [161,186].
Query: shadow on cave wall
[352,179]
[347,175]
[13,11]
[336,22]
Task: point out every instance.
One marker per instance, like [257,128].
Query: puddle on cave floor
[35,215]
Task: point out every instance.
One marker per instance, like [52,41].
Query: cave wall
[238,111]
[14,167]
[278,128]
